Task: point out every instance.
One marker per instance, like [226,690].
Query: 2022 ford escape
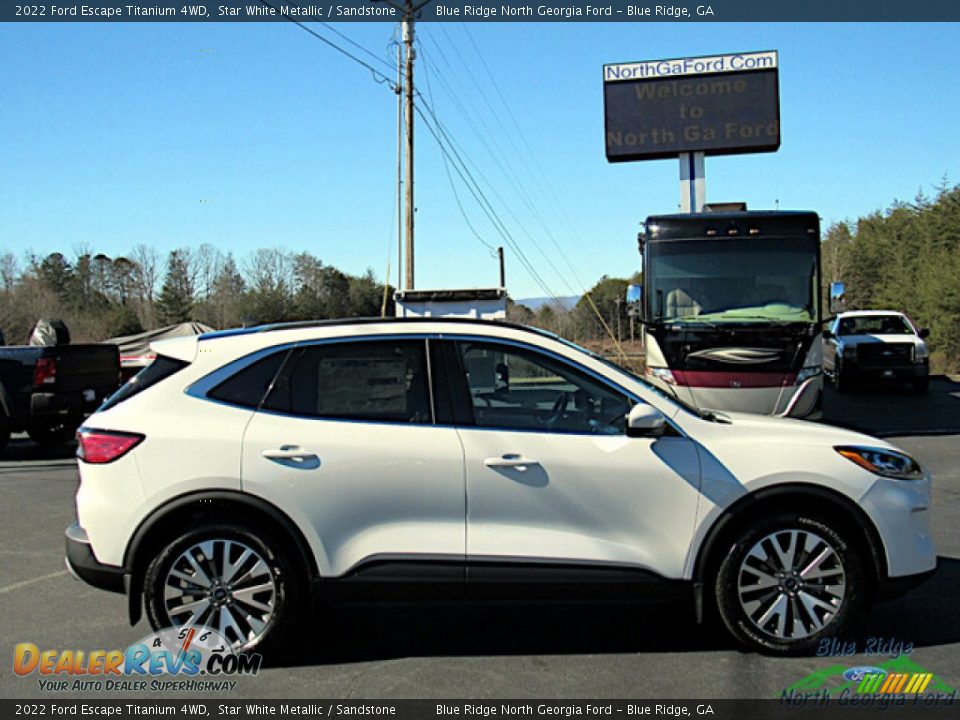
[245,470]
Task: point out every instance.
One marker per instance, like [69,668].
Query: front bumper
[897,586]
[83,565]
[904,373]
[900,511]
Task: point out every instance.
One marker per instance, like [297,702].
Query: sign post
[692,182]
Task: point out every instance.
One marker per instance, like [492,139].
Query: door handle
[293,453]
[509,460]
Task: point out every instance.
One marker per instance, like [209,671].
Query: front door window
[512,388]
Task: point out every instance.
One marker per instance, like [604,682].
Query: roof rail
[335,322]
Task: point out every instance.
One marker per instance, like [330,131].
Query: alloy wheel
[791,584]
[223,584]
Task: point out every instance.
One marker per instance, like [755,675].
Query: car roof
[262,336]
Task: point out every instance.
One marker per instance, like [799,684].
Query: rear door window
[376,381]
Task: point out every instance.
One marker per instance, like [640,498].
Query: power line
[461,153]
[464,172]
[439,133]
[446,167]
[496,152]
[377,75]
[513,178]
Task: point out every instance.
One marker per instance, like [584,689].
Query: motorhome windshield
[733,281]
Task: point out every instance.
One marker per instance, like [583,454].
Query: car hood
[862,339]
[797,432]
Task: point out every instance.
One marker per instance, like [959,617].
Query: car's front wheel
[841,379]
[224,577]
[789,581]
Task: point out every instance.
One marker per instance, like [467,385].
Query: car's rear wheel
[224,577]
[789,581]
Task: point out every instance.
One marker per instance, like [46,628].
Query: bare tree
[205,263]
[9,271]
[270,279]
[147,270]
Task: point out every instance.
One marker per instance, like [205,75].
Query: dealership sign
[717,105]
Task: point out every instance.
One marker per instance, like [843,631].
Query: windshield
[874,325]
[733,280]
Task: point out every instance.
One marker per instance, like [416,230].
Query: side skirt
[439,580]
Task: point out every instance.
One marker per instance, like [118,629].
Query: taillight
[45,371]
[103,446]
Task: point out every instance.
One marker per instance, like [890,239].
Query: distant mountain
[568,301]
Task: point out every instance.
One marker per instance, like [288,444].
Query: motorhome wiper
[695,322]
[769,320]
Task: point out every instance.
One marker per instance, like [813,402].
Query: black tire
[841,380]
[734,590]
[55,432]
[287,595]
[921,385]
[4,432]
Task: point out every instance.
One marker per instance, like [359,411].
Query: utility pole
[410,54]
[399,91]
[503,272]
[408,11]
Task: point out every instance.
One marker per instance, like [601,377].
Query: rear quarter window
[157,371]
[247,387]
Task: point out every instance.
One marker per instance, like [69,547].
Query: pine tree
[175,303]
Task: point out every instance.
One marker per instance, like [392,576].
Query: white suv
[244,471]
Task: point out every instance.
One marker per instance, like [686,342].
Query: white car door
[552,475]
[345,444]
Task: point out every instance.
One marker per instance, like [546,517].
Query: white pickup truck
[876,345]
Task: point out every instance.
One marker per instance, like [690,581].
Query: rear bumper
[70,403]
[83,565]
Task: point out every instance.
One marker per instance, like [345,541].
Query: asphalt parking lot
[492,652]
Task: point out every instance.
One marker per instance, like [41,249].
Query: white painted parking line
[25,583]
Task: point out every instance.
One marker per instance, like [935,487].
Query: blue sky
[247,135]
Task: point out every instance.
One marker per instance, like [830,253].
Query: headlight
[807,373]
[847,351]
[880,461]
[921,351]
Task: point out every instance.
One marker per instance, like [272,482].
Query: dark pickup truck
[47,390]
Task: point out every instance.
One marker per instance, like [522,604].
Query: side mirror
[634,298]
[828,335]
[838,296]
[644,419]
[924,333]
